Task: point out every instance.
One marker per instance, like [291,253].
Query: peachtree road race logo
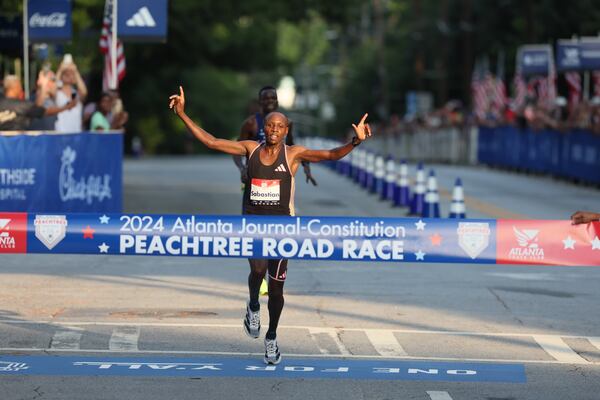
[70,188]
[6,240]
[473,237]
[50,229]
[528,245]
[54,20]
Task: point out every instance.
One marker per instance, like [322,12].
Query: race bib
[265,192]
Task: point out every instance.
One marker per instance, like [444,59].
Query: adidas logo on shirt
[281,168]
[142,18]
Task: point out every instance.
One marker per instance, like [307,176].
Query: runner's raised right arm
[177,104]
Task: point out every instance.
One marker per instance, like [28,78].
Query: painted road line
[66,339]
[237,326]
[211,367]
[557,348]
[11,350]
[334,334]
[435,395]
[124,338]
[385,343]
[595,341]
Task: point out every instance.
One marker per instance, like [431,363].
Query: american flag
[499,86]
[596,80]
[520,90]
[106,49]
[574,83]
[478,92]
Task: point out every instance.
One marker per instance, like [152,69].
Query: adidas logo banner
[281,168]
[143,20]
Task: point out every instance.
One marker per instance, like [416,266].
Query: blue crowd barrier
[574,154]
[79,172]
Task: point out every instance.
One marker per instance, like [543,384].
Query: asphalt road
[422,328]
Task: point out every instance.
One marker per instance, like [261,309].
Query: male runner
[253,128]
[271,164]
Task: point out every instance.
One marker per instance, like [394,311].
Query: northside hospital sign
[479,241]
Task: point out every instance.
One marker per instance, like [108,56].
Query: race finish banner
[308,238]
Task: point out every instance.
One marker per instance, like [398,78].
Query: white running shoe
[252,322]
[272,354]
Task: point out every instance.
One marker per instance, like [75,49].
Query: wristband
[355,141]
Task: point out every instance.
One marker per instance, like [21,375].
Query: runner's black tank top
[270,188]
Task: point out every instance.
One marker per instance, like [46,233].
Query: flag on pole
[574,84]
[500,87]
[106,49]
[478,92]
[596,80]
[519,90]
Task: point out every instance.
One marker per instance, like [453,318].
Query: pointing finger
[362,121]
[181,91]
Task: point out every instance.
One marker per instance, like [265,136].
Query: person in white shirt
[72,88]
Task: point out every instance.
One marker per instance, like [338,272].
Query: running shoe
[252,322]
[272,354]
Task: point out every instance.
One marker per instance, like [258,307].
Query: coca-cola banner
[49,20]
[79,172]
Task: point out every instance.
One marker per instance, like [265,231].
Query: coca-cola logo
[54,20]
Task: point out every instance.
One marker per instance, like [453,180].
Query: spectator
[45,97]
[116,111]
[71,87]
[100,118]
[16,113]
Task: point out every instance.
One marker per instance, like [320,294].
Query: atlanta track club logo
[50,229]
[13,232]
[528,242]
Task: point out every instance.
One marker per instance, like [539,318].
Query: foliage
[364,55]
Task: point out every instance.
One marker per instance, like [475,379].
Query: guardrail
[574,154]
[445,145]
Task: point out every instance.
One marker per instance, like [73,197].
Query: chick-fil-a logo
[82,188]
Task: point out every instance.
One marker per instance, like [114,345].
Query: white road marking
[11,350]
[66,339]
[557,348]
[385,343]
[539,337]
[124,338]
[595,341]
[334,334]
[435,395]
